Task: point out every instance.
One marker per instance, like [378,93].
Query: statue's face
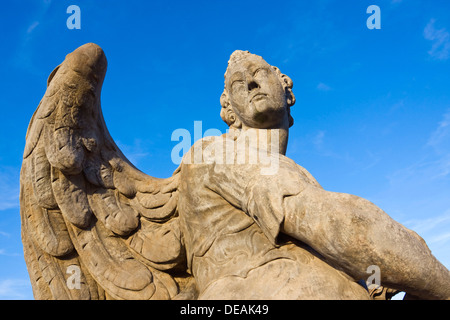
[256,94]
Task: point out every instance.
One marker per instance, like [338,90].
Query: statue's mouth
[258,96]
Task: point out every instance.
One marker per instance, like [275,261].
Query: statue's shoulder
[209,150]
[286,161]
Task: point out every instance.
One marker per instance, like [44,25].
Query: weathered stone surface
[237,220]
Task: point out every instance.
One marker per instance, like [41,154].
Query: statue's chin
[264,104]
[267,113]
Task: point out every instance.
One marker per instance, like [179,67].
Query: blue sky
[372,116]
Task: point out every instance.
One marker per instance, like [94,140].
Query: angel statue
[95,227]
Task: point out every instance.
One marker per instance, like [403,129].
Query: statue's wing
[93,226]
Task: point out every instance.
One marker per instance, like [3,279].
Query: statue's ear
[227,114]
[233,119]
[50,77]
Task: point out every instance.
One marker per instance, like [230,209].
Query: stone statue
[222,227]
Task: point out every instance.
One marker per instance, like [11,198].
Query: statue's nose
[252,83]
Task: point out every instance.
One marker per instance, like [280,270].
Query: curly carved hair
[227,113]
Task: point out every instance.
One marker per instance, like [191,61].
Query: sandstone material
[237,220]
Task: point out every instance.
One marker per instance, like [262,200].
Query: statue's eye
[261,72]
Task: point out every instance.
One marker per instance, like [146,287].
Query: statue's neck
[272,140]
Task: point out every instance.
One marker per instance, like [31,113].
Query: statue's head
[256,94]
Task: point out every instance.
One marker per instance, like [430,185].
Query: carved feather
[159,243]
[64,150]
[46,227]
[162,213]
[151,201]
[41,174]
[111,208]
[46,108]
[71,196]
[84,204]
[98,173]
[114,269]
[40,288]
[33,136]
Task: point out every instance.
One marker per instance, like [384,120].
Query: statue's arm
[350,232]
[354,234]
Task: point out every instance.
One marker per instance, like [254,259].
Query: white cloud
[11,289]
[32,27]
[318,139]
[435,162]
[426,226]
[135,152]
[419,193]
[23,55]
[440,142]
[440,138]
[323,87]
[435,231]
[3,252]
[9,188]
[5,234]
[443,237]
[440,39]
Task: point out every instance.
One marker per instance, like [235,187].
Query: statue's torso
[231,257]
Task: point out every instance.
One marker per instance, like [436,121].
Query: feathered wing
[87,213]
